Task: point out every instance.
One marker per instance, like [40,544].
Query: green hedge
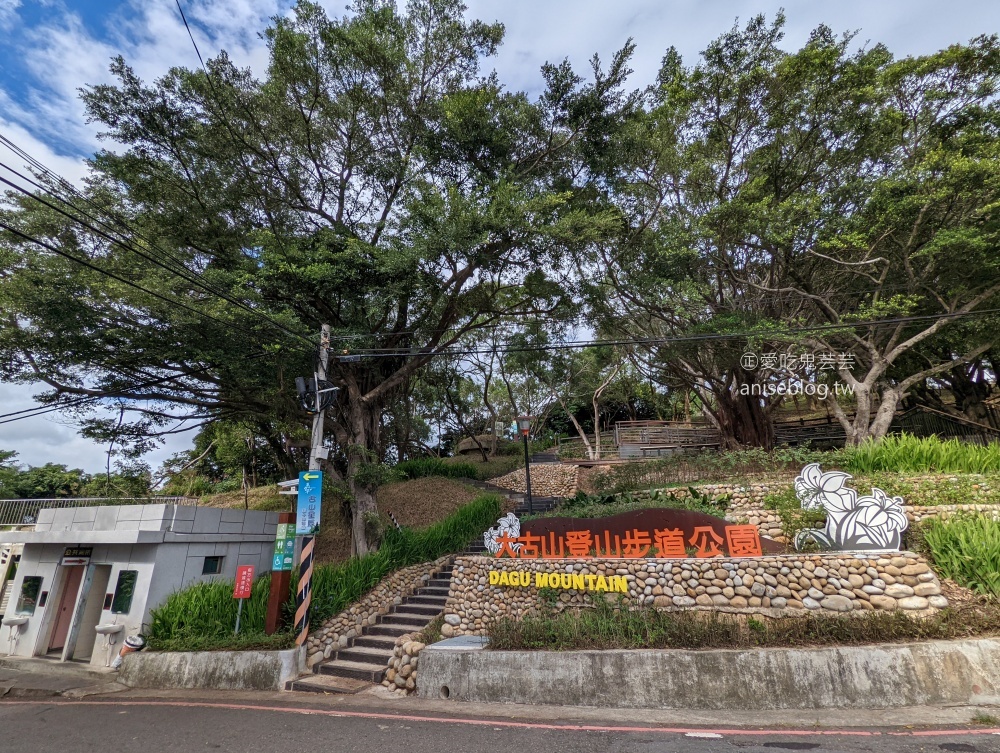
[202,616]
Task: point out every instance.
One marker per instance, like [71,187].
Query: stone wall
[547,480]
[401,677]
[337,631]
[777,585]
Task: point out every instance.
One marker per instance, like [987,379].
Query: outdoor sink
[14,621]
[109,629]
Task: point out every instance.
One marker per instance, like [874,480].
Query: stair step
[444,583]
[394,630]
[365,654]
[413,621]
[357,670]
[425,610]
[433,591]
[327,684]
[431,599]
[382,642]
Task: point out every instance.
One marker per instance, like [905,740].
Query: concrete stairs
[365,660]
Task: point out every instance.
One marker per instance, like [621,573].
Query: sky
[50,49]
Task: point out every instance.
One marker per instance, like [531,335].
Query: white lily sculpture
[508,524]
[876,521]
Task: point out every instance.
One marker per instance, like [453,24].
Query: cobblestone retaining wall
[401,677]
[776,585]
[547,480]
[337,631]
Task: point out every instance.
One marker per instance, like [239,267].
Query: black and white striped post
[303,592]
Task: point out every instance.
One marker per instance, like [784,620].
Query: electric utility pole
[317,453]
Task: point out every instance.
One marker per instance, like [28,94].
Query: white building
[92,574]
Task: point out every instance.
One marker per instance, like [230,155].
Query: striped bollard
[303,594]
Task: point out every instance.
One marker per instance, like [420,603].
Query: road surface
[127,725]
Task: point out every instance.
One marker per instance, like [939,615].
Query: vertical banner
[310,503]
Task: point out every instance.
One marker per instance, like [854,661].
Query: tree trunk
[863,426]
[742,420]
[364,443]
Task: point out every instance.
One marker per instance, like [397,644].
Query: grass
[424,467]
[464,466]
[585,505]
[432,631]
[607,627]
[202,618]
[985,719]
[336,586]
[966,548]
[906,453]
[710,466]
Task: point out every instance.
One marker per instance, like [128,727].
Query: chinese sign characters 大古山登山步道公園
[507,540]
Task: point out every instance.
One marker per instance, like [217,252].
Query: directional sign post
[310,504]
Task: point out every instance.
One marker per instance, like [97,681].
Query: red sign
[244,582]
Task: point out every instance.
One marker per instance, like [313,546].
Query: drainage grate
[958,747]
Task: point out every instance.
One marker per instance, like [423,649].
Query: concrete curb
[883,676]
[220,670]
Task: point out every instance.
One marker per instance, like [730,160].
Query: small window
[212,566]
[31,587]
[122,602]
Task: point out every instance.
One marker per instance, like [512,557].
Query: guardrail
[24,512]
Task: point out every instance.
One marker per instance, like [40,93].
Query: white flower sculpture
[508,524]
[876,521]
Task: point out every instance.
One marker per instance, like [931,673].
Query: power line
[75,402]
[395,353]
[187,274]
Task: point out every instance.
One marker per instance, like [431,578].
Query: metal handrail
[19,512]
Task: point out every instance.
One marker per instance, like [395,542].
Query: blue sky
[49,49]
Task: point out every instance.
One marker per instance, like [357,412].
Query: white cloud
[51,439]
[8,12]
[63,55]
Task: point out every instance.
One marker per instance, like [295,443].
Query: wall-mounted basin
[14,621]
[109,629]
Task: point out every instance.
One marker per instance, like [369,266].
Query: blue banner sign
[307,511]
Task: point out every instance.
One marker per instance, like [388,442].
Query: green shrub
[607,626]
[204,615]
[793,517]
[966,548]
[907,453]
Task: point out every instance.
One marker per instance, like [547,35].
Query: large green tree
[374,180]
[763,192]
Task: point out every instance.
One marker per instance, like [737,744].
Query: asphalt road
[161,726]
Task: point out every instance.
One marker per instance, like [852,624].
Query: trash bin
[132,643]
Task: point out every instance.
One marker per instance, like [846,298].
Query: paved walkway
[44,678]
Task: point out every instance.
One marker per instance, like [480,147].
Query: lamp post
[524,424]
